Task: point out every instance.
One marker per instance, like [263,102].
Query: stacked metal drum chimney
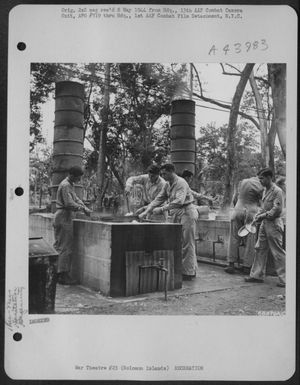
[183,142]
[68,133]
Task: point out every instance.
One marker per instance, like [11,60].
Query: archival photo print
[157,189]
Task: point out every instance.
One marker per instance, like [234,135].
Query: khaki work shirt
[197,195]
[272,202]
[178,195]
[250,192]
[151,190]
[66,197]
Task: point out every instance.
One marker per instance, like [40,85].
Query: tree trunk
[265,152]
[100,178]
[277,79]
[117,176]
[271,141]
[35,188]
[231,131]
[41,195]
[191,81]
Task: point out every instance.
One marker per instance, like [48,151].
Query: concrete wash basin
[100,249]
[108,254]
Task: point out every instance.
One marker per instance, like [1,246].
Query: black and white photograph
[157,178]
[151,192]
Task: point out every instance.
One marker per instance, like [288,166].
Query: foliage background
[137,130]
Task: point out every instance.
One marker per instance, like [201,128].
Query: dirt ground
[212,292]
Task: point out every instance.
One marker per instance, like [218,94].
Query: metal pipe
[158,268]
[219,240]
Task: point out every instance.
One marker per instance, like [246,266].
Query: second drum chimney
[183,142]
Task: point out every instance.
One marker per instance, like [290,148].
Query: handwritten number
[248,45]
[237,47]
[264,44]
[226,49]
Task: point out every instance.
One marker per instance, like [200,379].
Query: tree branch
[239,73]
[198,78]
[228,107]
[116,174]
[91,143]
[87,111]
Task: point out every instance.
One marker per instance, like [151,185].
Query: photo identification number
[260,45]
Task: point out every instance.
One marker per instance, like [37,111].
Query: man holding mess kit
[270,233]
[176,197]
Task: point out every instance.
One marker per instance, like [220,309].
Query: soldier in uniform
[152,184]
[270,234]
[176,197]
[246,204]
[67,203]
[188,176]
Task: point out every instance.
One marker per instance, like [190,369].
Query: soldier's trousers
[238,219]
[269,238]
[63,234]
[188,217]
